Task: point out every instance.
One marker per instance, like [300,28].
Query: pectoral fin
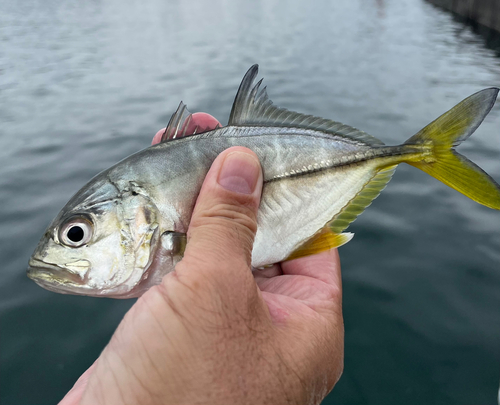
[325,239]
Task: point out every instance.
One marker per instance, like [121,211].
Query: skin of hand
[214,332]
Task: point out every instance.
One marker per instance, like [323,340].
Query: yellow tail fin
[444,163]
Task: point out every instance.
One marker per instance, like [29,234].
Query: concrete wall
[484,12]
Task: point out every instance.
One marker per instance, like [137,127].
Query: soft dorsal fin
[179,125]
[253,107]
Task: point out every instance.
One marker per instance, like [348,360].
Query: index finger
[199,122]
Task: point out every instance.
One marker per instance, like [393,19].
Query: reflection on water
[84,84]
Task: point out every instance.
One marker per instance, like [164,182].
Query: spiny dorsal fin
[179,125]
[253,107]
[178,122]
[362,200]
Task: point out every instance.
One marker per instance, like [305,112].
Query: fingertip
[240,172]
[157,137]
[235,176]
[199,122]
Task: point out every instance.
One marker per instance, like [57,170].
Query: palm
[302,287]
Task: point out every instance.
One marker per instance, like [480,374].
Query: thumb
[224,220]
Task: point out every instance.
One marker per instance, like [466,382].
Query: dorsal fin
[179,125]
[253,107]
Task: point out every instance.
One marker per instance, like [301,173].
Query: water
[84,84]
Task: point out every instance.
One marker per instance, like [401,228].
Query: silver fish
[125,229]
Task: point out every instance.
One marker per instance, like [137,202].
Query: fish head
[100,244]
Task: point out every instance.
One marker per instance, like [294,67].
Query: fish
[126,228]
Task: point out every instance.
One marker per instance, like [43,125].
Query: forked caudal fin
[438,139]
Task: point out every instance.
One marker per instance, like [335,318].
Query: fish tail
[436,154]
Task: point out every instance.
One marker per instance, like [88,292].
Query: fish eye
[76,232]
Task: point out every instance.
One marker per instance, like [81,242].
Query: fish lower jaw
[42,275]
[73,286]
[53,277]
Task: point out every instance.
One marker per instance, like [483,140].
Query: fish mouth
[52,276]
[57,279]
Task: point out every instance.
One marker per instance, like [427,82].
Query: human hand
[213,331]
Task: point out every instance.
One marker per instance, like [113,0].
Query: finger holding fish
[200,122]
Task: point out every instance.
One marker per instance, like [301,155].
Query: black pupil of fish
[75,234]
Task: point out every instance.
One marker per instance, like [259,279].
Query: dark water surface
[84,84]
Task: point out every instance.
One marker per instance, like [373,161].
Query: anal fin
[332,236]
[325,239]
[362,200]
